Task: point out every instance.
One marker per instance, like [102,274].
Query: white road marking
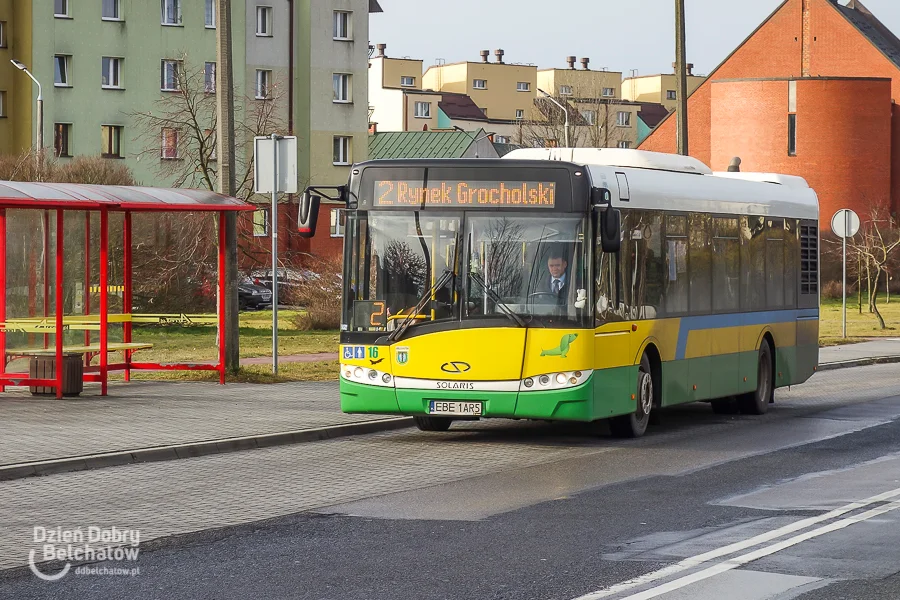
[734,563]
[699,559]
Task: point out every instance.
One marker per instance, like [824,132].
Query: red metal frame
[104,300]
[126,295]
[3,287]
[59,301]
[67,197]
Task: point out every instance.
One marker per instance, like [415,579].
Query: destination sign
[466,194]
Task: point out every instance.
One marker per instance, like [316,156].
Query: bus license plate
[458,409]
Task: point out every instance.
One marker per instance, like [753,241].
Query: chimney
[381,50]
[484,55]
[584,64]
[735,166]
[571,61]
[690,69]
[499,55]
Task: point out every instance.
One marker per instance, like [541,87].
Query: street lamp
[563,108]
[40,107]
[472,137]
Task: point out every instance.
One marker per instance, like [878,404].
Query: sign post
[845,224]
[275,170]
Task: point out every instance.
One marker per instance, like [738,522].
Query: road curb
[195,449]
[859,362]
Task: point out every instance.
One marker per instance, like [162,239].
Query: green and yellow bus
[574,284]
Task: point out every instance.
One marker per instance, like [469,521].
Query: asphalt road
[801,503]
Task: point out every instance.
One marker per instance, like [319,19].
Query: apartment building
[580,83]
[659,88]
[502,90]
[110,68]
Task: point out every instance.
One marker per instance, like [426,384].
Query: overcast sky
[618,34]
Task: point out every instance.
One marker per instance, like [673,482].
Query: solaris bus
[573,284]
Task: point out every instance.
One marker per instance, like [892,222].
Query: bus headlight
[555,381]
[367,376]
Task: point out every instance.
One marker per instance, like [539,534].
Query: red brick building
[812,93]
[294,252]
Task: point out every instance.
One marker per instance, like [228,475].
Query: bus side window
[676,294]
[608,294]
[646,265]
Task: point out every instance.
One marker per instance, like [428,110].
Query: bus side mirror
[610,230]
[309,215]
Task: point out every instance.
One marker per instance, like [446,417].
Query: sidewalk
[145,420]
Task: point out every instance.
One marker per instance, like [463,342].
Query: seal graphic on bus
[563,349]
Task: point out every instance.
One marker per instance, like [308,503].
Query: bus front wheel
[432,423]
[635,424]
[757,403]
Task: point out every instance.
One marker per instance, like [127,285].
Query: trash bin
[44,367]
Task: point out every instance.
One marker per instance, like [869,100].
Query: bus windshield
[528,268]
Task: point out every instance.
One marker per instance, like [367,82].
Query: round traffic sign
[845,223]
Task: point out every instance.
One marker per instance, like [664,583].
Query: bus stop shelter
[35,216]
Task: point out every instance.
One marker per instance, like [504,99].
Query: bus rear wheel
[757,403]
[635,424]
[432,423]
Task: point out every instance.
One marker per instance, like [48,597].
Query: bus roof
[654,180]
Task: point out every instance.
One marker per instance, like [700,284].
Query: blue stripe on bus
[689,324]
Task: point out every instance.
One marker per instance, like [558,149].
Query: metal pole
[846,232]
[681,77]
[274,228]
[40,131]
[227,179]
[566,110]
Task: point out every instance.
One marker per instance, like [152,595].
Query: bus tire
[433,423]
[635,424]
[757,403]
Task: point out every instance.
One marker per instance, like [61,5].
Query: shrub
[93,170]
[320,296]
[832,289]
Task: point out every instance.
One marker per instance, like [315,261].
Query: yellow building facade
[657,88]
[502,90]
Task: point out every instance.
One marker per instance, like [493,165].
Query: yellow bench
[90,349]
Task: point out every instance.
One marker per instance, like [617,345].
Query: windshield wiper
[506,310]
[420,304]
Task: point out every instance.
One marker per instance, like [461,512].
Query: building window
[501,139]
[170,71]
[523,86]
[609,92]
[112,72]
[623,119]
[671,95]
[2,103]
[338,220]
[2,34]
[520,114]
[169,146]
[479,84]
[112,10]
[341,82]
[209,78]
[263,84]
[61,8]
[341,150]
[171,12]
[111,144]
[590,116]
[792,135]
[211,14]
[261,222]
[565,90]
[61,70]
[624,144]
[423,110]
[406,81]
[61,134]
[264,21]
[342,25]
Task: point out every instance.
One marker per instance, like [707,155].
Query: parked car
[253,296]
[288,281]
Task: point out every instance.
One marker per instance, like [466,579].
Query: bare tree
[593,122]
[179,132]
[876,244]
